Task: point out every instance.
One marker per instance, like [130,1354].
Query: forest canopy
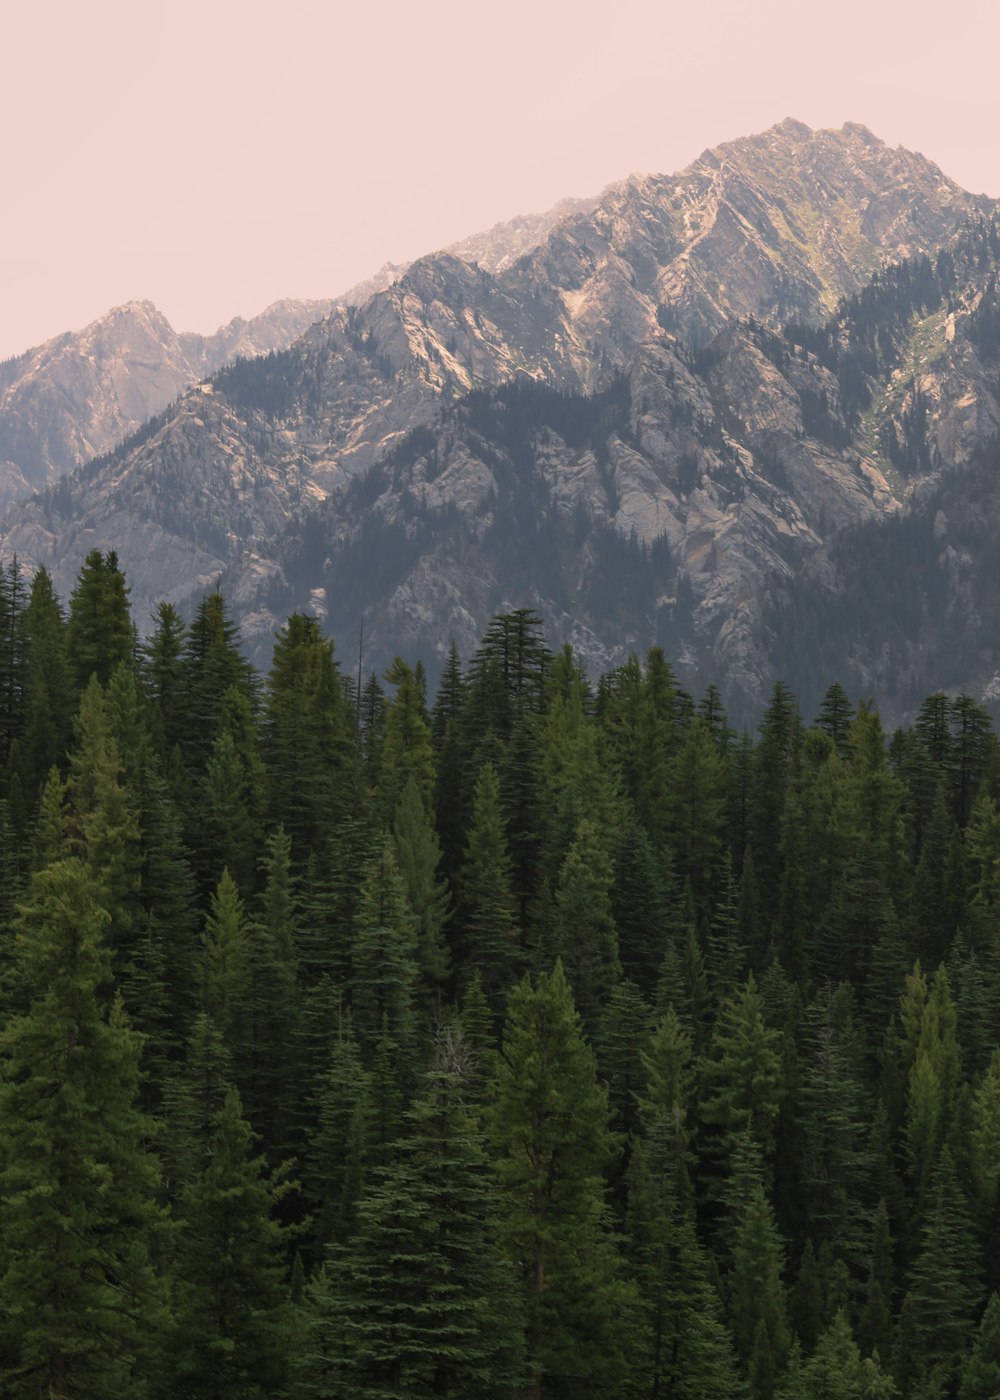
[543,1037]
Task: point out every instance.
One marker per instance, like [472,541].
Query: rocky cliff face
[380,465]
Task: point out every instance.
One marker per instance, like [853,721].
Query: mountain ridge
[661,269]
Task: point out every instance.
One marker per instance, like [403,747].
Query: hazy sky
[215,156]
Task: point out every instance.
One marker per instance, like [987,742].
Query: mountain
[610,426]
[818,503]
[80,394]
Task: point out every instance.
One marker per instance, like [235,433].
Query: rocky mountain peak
[603,395]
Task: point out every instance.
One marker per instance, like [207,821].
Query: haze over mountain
[602,421]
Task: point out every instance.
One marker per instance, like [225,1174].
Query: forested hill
[533,1039]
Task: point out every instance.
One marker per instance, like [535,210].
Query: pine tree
[640,905]
[574,785]
[422,1301]
[336,1153]
[933,1082]
[232,1307]
[549,1127]
[81,1310]
[212,666]
[757,1303]
[450,795]
[836,1165]
[685,1348]
[584,935]
[306,736]
[383,959]
[981,1370]
[875,1329]
[407,749]
[623,1032]
[100,635]
[101,823]
[418,856]
[225,974]
[491,945]
[163,675]
[742,1092]
[836,1370]
[696,821]
[835,717]
[772,767]
[946,1278]
[158,974]
[270,1072]
[49,699]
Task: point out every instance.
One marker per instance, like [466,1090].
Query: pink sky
[215,156]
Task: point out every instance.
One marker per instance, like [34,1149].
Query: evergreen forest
[541,1037]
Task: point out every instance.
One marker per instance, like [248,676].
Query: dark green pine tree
[834,1115]
[81,1311]
[225,974]
[270,1071]
[192,1103]
[584,935]
[549,1127]
[13,600]
[100,635]
[771,774]
[837,1371]
[757,1303]
[876,1325]
[418,856]
[973,749]
[49,699]
[163,676]
[623,1032]
[101,825]
[450,795]
[697,814]
[985,1148]
[946,1280]
[407,747]
[489,935]
[640,906]
[725,962]
[836,714]
[370,717]
[932,907]
[307,737]
[742,1078]
[574,783]
[640,732]
[212,665]
[159,975]
[330,900]
[422,1302]
[336,1153]
[981,1370]
[384,960]
[684,1346]
[233,1315]
[228,822]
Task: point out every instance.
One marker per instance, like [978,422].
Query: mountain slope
[737,456]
